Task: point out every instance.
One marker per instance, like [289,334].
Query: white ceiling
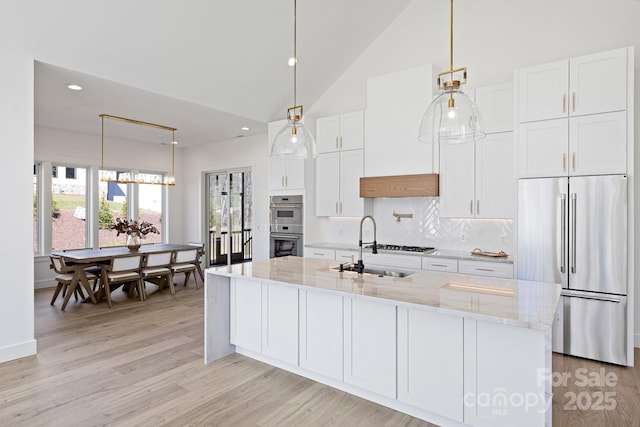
[206,67]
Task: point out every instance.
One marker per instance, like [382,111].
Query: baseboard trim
[636,340]
[18,351]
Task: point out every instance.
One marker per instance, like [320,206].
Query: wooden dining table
[80,259]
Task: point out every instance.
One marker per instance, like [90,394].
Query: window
[68,210]
[112,205]
[150,209]
[70,173]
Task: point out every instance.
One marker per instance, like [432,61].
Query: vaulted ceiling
[207,67]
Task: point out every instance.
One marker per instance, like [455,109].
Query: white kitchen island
[452,349]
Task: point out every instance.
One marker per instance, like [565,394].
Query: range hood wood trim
[421,185]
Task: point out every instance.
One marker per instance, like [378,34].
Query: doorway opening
[230,205]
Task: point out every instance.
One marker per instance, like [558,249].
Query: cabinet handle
[340,141]
[282,180]
[484,269]
[573,102]
[439,265]
[340,208]
[573,161]
[478,207]
[564,102]
[564,162]
[336,208]
[337,146]
[471,207]
[286,180]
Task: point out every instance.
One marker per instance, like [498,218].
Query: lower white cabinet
[345,255]
[486,268]
[392,260]
[321,333]
[430,361]
[370,346]
[246,314]
[440,264]
[505,379]
[280,322]
[320,253]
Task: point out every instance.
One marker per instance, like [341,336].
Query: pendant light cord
[451,36]
[295,55]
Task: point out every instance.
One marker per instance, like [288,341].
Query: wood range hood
[421,185]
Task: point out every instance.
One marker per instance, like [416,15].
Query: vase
[133,242]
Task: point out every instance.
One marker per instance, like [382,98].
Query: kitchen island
[448,348]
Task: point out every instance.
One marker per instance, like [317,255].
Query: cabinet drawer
[344,255]
[439,264]
[481,268]
[320,253]
[405,261]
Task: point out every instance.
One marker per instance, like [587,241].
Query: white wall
[223,156]
[492,38]
[16,121]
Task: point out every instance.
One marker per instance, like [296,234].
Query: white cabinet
[392,260]
[486,268]
[346,255]
[430,361]
[246,314]
[573,116]
[321,333]
[320,253]
[338,183]
[496,106]
[440,264]
[370,346]
[340,132]
[395,105]
[284,173]
[505,374]
[280,322]
[477,179]
[585,85]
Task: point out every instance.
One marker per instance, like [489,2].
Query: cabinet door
[457,180]
[496,107]
[321,333]
[486,268]
[280,322]
[430,361]
[328,133]
[352,130]
[598,82]
[495,177]
[543,91]
[320,253]
[328,184]
[277,166]
[598,144]
[246,314]
[351,170]
[370,346]
[294,177]
[345,255]
[542,148]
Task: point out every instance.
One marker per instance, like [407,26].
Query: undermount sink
[378,271]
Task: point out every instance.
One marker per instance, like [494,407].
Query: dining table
[79,259]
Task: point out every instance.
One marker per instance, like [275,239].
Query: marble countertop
[453,254]
[517,303]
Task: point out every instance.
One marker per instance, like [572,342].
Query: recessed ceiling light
[74,87]
[292,61]
[174,142]
[244,128]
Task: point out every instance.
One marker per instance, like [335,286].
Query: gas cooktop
[402,248]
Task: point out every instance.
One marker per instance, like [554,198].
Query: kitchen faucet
[360,265]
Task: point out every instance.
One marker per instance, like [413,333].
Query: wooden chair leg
[56,292]
[187,274]
[172,288]
[67,296]
[107,290]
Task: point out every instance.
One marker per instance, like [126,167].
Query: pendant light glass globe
[452,117]
[294,141]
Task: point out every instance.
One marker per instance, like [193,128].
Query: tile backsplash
[426,227]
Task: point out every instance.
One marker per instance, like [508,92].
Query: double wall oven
[285,224]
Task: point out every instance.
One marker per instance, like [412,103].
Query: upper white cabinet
[395,105]
[477,179]
[338,183]
[585,85]
[284,174]
[340,132]
[573,116]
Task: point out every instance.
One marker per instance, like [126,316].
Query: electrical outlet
[463,237]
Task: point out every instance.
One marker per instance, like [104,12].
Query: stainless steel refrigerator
[573,231]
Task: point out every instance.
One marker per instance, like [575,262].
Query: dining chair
[91,268]
[124,269]
[156,268]
[184,261]
[200,247]
[64,277]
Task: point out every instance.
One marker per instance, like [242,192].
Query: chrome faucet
[360,265]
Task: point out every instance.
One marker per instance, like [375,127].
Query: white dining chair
[157,269]
[120,271]
[185,261]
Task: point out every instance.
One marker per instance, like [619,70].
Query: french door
[230,216]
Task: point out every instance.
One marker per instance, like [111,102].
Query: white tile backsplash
[426,228]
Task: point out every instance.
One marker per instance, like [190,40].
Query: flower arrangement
[131,227]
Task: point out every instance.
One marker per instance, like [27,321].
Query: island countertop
[511,302]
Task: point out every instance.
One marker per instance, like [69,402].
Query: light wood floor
[141,364]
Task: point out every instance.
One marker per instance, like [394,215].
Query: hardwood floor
[141,364]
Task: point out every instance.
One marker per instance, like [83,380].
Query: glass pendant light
[452,117]
[294,139]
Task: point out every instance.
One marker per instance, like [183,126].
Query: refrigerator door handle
[574,204]
[594,297]
[563,232]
